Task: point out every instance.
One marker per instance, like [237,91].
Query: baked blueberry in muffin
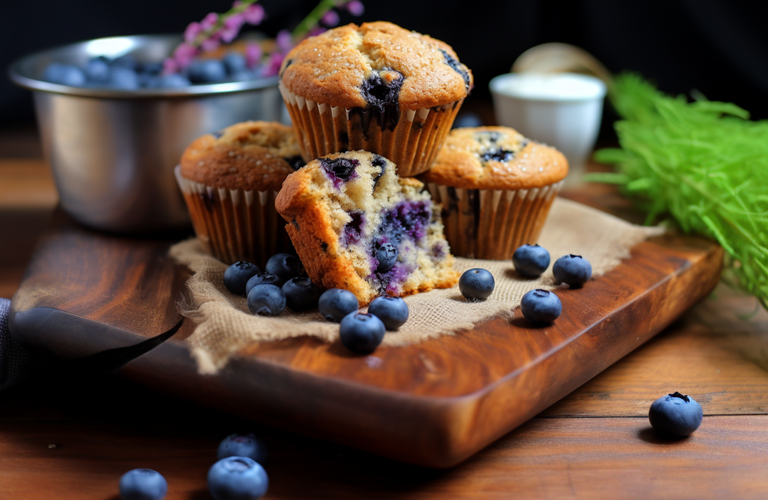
[356,225]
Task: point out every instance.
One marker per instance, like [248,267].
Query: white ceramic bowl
[560,109]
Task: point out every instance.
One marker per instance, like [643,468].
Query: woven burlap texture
[224,325]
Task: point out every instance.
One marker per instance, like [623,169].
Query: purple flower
[231,27]
[330,18]
[275,60]
[284,42]
[192,31]
[254,14]
[170,66]
[211,43]
[209,21]
[355,7]
[184,54]
[317,30]
[252,54]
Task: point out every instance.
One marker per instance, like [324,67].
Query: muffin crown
[495,158]
[373,65]
[249,156]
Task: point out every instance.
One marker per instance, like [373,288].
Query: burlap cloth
[224,324]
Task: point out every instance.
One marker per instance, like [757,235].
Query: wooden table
[66,435]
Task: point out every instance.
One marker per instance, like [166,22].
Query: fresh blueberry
[143,484]
[573,270]
[127,61]
[97,70]
[241,76]
[392,311]
[530,260]
[467,120]
[285,266]
[266,300]
[207,71]
[172,81]
[151,68]
[242,445]
[237,478]
[476,284]
[675,415]
[237,275]
[234,62]
[387,256]
[262,279]
[123,79]
[361,333]
[336,303]
[541,306]
[64,74]
[301,294]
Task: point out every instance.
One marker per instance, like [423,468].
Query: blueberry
[172,81]
[123,79]
[336,303]
[476,284]
[237,275]
[266,300]
[237,478]
[207,71]
[530,260]
[127,61]
[262,279]
[361,333]
[467,120]
[387,256]
[64,74]
[242,76]
[541,306]
[301,294]
[675,415]
[97,70]
[151,68]
[234,62]
[574,270]
[392,311]
[143,484]
[242,445]
[285,266]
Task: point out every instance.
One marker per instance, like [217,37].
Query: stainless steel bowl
[112,152]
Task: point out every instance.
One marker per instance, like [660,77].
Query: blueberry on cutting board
[336,303]
[573,270]
[237,478]
[675,415]
[242,445]
[476,284]
[531,260]
[143,484]
[392,311]
[541,306]
[361,333]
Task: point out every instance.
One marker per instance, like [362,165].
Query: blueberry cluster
[238,473]
[282,283]
[125,73]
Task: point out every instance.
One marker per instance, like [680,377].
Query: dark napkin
[15,360]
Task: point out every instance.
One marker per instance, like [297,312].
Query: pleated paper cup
[412,144]
[492,224]
[233,224]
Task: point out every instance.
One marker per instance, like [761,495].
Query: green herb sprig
[702,163]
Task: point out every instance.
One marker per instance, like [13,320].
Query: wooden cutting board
[110,302]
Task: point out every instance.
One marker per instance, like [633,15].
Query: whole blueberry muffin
[230,179]
[376,87]
[496,188]
[357,225]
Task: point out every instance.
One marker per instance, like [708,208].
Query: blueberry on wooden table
[675,415]
[285,266]
[336,303]
[143,484]
[262,279]
[541,306]
[361,333]
[301,294]
[531,260]
[237,275]
[392,311]
[237,478]
[573,270]
[266,300]
[476,284]
[242,445]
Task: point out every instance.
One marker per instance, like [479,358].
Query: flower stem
[312,19]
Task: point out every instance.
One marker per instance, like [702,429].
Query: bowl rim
[600,87]
[18,76]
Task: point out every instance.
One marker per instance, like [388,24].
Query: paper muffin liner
[233,224]
[412,144]
[491,224]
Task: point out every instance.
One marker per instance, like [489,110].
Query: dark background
[718,48]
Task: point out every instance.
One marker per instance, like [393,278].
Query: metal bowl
[112,152]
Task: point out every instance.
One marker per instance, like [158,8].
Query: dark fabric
[15,360]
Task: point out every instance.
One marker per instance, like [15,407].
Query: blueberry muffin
[230,179]
[356,225]
[496,188]
[376,87]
